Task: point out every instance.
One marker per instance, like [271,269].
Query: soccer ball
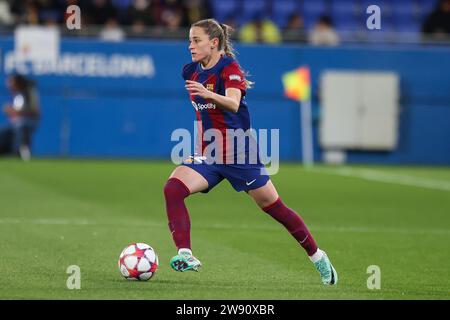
[138,261]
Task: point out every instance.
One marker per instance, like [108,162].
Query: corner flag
[297,84]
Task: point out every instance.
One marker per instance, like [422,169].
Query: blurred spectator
[112,31]
[98,12]
[6,18]
[437,24]
[25,12]
[259,29]
[323,33]
[137,29]
[142,12]
[174,20]
[23,115]
[172,9]
[295,29]
[196,10]
[173,26]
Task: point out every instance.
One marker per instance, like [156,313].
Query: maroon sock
[294,223]
[175,191]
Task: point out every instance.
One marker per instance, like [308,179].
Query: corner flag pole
[307,136]
[297,86]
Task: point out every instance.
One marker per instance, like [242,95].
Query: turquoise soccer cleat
[327,272]
[185,261]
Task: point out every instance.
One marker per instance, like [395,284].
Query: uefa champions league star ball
[138,261]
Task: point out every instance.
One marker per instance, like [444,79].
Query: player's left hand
[197,89]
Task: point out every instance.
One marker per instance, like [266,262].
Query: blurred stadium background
[102,87]
[113,90]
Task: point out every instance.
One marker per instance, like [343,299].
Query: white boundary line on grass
[373,175]
[147,224]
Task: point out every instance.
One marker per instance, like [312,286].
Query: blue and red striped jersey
[225,74]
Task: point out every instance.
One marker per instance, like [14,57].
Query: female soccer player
[217,88]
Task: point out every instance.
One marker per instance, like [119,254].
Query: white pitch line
[220,226]
[373,175]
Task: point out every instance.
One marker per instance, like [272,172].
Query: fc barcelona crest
[210,87]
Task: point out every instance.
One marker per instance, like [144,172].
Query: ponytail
[227,45]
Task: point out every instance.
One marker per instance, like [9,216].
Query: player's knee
[170,189]
[267,204]
[174,188]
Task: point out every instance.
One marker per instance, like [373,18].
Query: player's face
[200,45]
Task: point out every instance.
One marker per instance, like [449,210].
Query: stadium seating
[312,10]
[122,4]
[222,10]
[253,7]
[346,15]
[282,9]
[396,15]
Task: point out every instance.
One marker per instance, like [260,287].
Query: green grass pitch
[57,213]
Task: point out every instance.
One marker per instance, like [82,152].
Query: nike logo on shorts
[249,183]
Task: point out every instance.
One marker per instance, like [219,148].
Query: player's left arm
[230,101]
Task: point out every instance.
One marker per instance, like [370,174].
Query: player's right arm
[229,102]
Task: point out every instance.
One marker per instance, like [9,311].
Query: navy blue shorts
[242,177]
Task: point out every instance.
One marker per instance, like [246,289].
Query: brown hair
[214,29]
